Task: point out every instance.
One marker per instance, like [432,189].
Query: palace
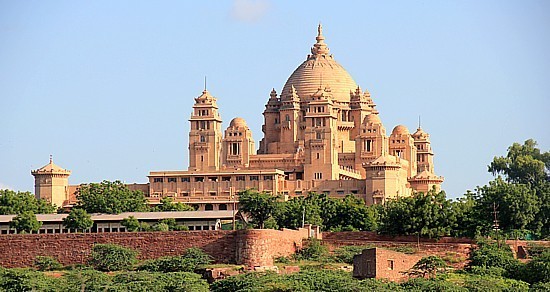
[322,133]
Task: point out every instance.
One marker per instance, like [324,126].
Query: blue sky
[107,86]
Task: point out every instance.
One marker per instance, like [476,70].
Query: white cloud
[249,10]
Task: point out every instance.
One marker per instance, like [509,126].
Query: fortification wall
[248,247]
[258,247]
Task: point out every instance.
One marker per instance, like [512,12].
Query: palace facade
[322,133]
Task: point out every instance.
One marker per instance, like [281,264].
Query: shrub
[87,280]
[421,284]
[282,260]
[188,262]
[131,224]
[161,227]
[490,254]
[487,283]
[487,271]
[29,280]
[112,257]
[428,266]
[540,287]
[47,263]
[314,251]
[538,269]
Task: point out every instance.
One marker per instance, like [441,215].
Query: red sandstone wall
[401,263]
[20,250]
[252,248]
[258,247]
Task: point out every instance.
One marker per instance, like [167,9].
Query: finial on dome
[419,126]
[51,159]
[320,48]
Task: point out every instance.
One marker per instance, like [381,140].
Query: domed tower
[51,183]
[238,144]
[371,142]
[205,136]
[319,83]
[425,179]
[401,145]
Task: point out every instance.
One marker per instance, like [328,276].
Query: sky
[107,87]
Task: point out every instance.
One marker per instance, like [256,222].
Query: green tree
[291,213]
[78,219]
[527,165]
[110,197]
[112,257]
[131,224]
[25,222]
[350,213]
[429,214]
[428,266]
[517,204]
[167,204]
[538,269]
[490,253]
[259,206]
[12,202]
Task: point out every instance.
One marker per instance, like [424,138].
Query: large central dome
[320,70]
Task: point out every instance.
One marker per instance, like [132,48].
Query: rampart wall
[247,247]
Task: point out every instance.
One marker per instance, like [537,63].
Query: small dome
[400,130]
[238,123]
[420,133]
[372,119]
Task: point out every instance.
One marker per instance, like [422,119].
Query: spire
[419,126]
[320,48]
[51,159]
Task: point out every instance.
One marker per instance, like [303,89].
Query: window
[208,207]
[340,192]
[268,177]
[390,265]
[287,118]
[318,155]
[185,194]
[213,193]
[254,177]
[226,178]
[172,179]
[191,228]
[198,228]
[318,136]
[199,179]
[223,207]
[298,193]
[212,178]
[318,175]
[202,138]
[205,227]
[185,179]
[158,179]
[235,149]
[368,145]
[276,121]
[240,177]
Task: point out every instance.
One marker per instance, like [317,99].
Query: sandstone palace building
[322,133]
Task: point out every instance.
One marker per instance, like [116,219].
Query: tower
[51,183]
[321,138]
[205,137]
[238,144]
[371,142]
[425,179]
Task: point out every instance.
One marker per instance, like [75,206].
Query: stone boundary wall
[251,248]
[20,250]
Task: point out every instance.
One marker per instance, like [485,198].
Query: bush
[487,271]
[131,224]
[188,262]
[314,251]
[161,227]
[87,280]
[421,284]
[47,263]
[487,283]
[490,254]
[538,269]
[29,280]
[540,287]
[112,257]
